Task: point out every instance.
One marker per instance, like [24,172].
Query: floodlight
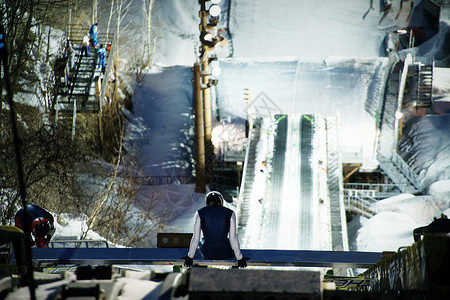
[208,37]
[214,10]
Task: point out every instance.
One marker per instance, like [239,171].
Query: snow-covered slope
[298,53]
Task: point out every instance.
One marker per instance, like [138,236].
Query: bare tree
[111,13]
[100,203]
[54,164]
[121,10]
[94,11]
[48,161]
[148,33]
[118,214]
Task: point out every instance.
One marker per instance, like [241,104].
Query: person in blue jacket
[101,58]
[93,32]
[42,224]
[218,225]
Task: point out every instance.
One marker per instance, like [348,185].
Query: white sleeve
[195,237]
[233,237]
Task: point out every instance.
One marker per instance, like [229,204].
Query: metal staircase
[390,162]
[401,174]
[424,86]
[76,74]
[79,89]
[79,85]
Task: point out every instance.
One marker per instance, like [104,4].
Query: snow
[386,231]
[135,288]
[177,32]
[301,57]
[69,228]
[440,189]
[308,29]
[161,122]
[280,60]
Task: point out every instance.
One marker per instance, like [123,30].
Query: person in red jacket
[41,227]
[218,225]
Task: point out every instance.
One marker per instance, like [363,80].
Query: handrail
[75,75]
[378,187]
[109,63]
[396,175]
[163,180]
[360,201]
[78,243]
[62,53]
[407,171]
[171,256]
[367,194]
[246,162]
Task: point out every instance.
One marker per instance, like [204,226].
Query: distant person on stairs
[102,58]
[85,48]
[93,32]
[218,225]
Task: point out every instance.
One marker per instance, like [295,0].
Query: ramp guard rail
[171,256]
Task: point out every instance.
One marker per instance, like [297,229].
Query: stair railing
[407,171]
[360,201]
[108,68]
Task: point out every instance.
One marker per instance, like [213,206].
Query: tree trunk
[148,33]
[94,11]
[111,12]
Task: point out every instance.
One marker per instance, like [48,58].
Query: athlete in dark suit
[218,225]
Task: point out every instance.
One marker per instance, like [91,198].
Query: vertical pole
[199,132]
[57,111]
[70,22]
[100,128]
[207,99]
[239,166]
[248,97]
[74,118]
[203,15]
[209,149]
[206,92]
